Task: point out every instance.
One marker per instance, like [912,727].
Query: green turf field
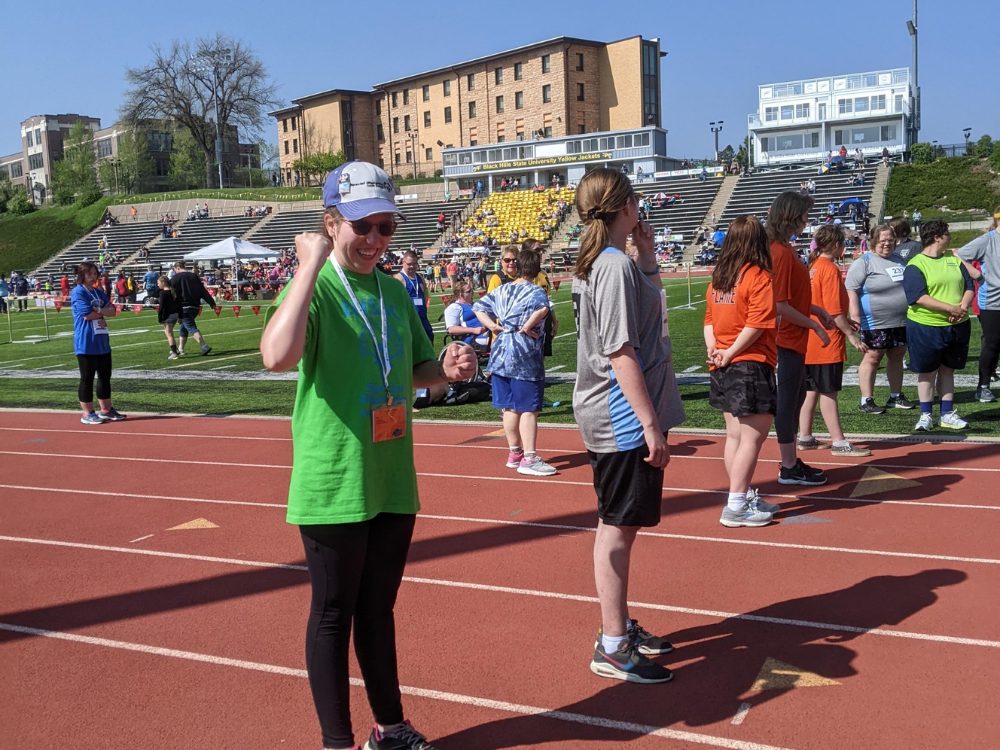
[232,381]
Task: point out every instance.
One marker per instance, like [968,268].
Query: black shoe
[402,737]
[801,474]
[898,402]
[984,395]
[628,664]
[870,407]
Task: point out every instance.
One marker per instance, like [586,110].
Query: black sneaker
[898,402]
[801,474]
[870,407]
[984,395]
[646,642]
[628,664]
[402,737]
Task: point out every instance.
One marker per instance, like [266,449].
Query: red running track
[866,617]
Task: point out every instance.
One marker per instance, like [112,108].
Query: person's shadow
[718,667]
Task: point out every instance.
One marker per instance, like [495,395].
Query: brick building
[549,89]
[42,139]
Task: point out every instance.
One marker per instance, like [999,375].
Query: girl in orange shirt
[825,364]
[740,335]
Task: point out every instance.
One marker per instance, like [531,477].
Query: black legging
[355,569]
[791,386]
[90,365]
[989,353]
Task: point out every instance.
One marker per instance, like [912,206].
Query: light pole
[412,135]
[214,56]
[911,28]
[716,128]
[967,132]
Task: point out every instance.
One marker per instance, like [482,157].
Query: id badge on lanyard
[389,420]
[99,325]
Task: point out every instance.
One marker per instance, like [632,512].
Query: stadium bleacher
[755,192]
[123,239]
[193,234]
[504,213]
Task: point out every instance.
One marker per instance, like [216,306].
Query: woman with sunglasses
[507,271]
[360,350]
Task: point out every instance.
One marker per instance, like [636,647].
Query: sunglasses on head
[362,227]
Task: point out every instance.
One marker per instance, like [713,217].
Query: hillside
[947,186]
[27,241]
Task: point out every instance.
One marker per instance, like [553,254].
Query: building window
[472,110]
[447,114]
[4,172]
[406,96]
[547,131]
[787,112]
[409,157]
[498,75]
[518,71]
[470,82]
[426,92]
[878,102]
[428,154]
[473,142]
[103,148]
[446,88]
[898,104]
[861,104]
[888,132]
[284,125]
[546,63]
[380,131]
[295,123]
[295,145]
[845,106]
[499,103]
[518,100]
[378,107]
[579,61]
[801,110]
[28,140]
[286,148]
[35,161]
[579,93]
[547,93]
[16,169]
[581,128]
[395,124]
[395,100]
[427,119]
[397,157]
[406,123]
[770,114]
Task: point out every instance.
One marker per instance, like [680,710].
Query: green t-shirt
[945,282]
[339,475]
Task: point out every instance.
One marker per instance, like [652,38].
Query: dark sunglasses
[509,260]
[362,227]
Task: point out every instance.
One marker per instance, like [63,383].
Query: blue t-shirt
[515,354]
[85,338]
[149,280]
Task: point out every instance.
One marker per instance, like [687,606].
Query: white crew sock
[611,643]
[737,501]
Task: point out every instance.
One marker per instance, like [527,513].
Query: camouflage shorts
[744,388]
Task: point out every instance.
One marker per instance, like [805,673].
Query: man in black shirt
[189,293]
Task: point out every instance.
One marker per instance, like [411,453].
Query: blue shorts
[930,347]
[188,326]
[517,395]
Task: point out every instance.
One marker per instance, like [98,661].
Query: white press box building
[804,120]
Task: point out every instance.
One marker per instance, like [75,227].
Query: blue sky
[74,59]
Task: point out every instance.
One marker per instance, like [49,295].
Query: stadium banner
[545,161]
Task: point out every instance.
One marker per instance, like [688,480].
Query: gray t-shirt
[907,249]
[879,284]
[986,250]
[615,306]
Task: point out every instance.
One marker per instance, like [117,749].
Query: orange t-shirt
[791,285]
[828,292]
[749,305]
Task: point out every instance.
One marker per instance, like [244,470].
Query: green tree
[134,160]
[18,204]
[745,148]
[319,164]
[983,147]
[74,177]
[188,83]
[922,153]
[187,162]
[6,193]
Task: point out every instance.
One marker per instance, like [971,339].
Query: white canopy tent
[232,248]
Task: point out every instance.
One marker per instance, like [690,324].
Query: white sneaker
[760,505]
[952,421]
[173,355]
[925,423]
[534,466]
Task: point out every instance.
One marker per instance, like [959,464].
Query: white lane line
[149,460]
[224,367]
[584,598]
[741,714]
[203,360]
[554,369]
[540,525]
[141,539]
[430,694]
[167,435]
[50,367]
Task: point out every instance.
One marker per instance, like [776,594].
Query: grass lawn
[157,385]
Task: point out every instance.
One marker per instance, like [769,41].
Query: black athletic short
[629,490]
[744,388]
[825,378]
